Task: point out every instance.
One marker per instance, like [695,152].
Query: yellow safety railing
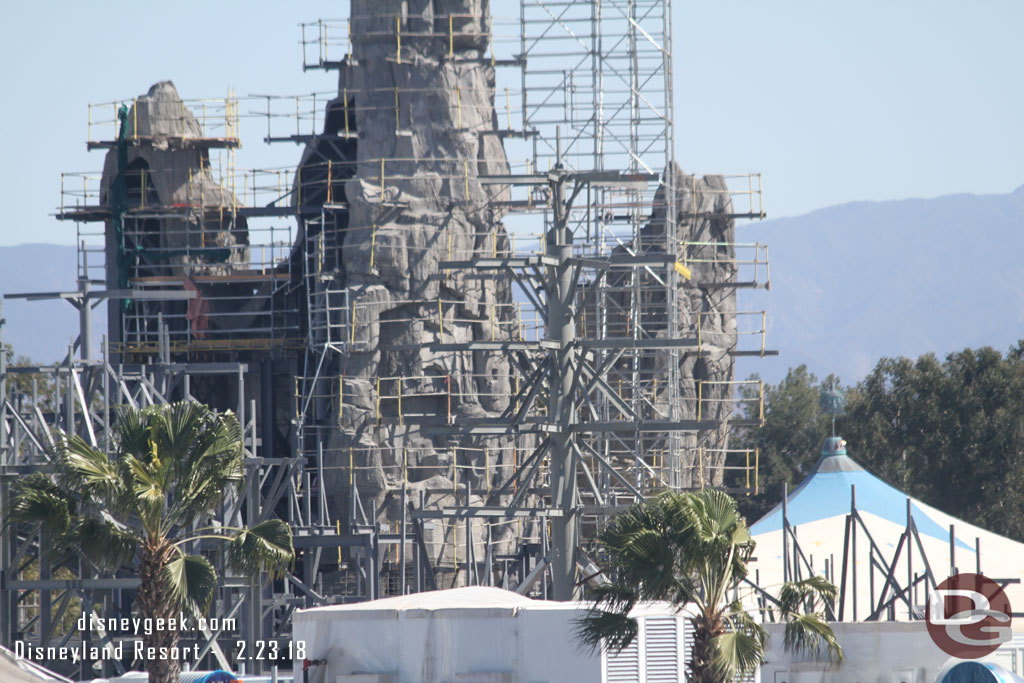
[326,41]
[749,194]
[217,119]
[735,395]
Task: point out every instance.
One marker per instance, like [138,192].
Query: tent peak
[834,445]
[834,458]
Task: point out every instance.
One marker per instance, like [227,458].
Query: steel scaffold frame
[630,129]
[593,457]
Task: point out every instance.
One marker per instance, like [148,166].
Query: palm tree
[691,549]
[802,605]
[169,469]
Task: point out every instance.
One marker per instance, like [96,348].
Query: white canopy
[478,635]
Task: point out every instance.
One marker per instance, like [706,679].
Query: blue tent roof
[826,493]
[980,672]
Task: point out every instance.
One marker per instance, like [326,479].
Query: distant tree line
[950,433]
[22,387]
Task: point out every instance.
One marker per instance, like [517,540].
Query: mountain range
[860,281]
[849,284]
[41,330]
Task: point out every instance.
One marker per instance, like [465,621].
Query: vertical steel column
[84,311]
[8,606]
[561,327]
[402,533]
[597,83]
[673,300]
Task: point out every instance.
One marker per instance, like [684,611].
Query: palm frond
[713,515]
[207,450]
[740,620]
[614,597]
[806,595]
[103,541]
[181,424]
[808,634]
[86,469]
[132,431]
[37,500]
[149,493]
[190,580]
[651,562]
[264,547]
[737,653]
[596,627]
[218,435]
[211,480]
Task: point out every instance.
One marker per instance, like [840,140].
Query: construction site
[485,312]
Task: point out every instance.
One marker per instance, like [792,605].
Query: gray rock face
[167,169]
[427,112]
[704,243]
[711,256]
[429,116]
[178,221]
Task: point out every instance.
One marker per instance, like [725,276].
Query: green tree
[148,502]
[693,548]
[950,433]
[788,443]
[33,603]
[22,386]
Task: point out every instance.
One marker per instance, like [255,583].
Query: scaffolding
[615,346]
[585,88]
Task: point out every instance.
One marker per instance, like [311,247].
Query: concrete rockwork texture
[387,192]
[421,132]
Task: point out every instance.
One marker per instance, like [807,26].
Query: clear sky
[832,101]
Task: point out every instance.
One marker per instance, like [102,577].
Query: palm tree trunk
[702,657]
[154,603]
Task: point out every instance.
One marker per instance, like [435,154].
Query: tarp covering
[433,636]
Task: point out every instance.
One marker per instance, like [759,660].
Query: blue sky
[832,101]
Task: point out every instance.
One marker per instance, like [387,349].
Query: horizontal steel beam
[499,512]
[499,263]
[628,343]
[498,346]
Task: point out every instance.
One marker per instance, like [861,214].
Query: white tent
[478,635]
[818,511]
[16,670]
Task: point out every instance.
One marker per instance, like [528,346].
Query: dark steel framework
[602,434]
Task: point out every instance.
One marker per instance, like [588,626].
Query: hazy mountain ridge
[858,281]
[850,284]
[41,330]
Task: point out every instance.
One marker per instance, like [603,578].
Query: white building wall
[876,652]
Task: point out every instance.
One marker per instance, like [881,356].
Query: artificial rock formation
[176,218]
[167,168]
[427,112]
[703,241]
[703,209]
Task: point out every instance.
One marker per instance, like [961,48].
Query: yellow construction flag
[683,270]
